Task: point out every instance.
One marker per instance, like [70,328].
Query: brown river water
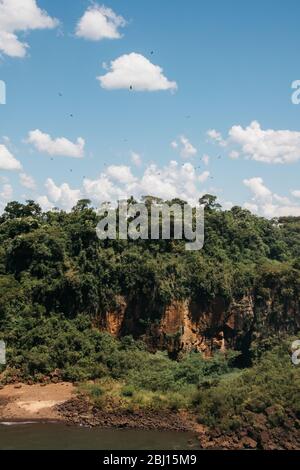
[39,436]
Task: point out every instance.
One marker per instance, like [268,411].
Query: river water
[38,436]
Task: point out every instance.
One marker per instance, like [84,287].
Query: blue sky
[233,64]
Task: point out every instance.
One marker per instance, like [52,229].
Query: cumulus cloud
[171,181]
[255,143]
[257,187]
[27,181]
[267,203]
[61,196]
[19,16]
[118,182]
[102,189]
[250,206]
[7,160]
[185,147]
[100,22]
[270,146]
[216,137]
[121,173]
[136,72]
[59,147]
[45,204]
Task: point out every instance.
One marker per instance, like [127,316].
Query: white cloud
[7,192]
[60,146]
[168,182]
[62,196]
[7,160]
[257,187]
[136,71]
[217,137]
[266,203]
[27,181]
[186,148]
[45,204]
[204,176]
[173,180]
[20,15]
[251,207]
[136,159]
[121,173]
[255,143]
[100,22]
[102,189]
[284,200]
[296,193]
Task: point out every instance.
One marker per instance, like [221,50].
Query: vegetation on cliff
[57,281]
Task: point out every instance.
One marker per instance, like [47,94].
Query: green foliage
[58,281]
[272,385]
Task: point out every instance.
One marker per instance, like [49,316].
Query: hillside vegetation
[57,279]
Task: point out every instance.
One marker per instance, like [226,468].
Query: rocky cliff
[193,326]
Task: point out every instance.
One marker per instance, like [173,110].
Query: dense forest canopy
[57,277]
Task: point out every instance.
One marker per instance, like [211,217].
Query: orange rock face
[184,325]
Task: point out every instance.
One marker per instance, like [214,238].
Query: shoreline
[22,404]
[58,403]
[38,402]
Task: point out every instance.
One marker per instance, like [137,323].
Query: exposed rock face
[189,326]
[113,320]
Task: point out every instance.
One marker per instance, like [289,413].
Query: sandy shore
[33,402]
[58,402]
